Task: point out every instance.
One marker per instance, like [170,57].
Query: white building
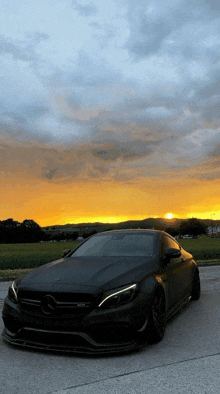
[213,230]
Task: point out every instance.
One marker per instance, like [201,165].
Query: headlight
[118,297]
[12,293]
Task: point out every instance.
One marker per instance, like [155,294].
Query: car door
[174,272]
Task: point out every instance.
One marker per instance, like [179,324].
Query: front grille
[63,304]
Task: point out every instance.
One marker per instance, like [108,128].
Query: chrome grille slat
[29,302]
[59,304]
[73,304]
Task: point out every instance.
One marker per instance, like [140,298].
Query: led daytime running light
[117,292]
[14,291]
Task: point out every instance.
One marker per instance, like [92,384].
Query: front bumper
[68,342]
[99,332]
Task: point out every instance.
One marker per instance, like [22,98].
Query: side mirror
[172,253]
[66,252]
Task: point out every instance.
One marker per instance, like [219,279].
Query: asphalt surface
[186,361]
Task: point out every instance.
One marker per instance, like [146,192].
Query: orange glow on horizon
[114,219]
[51,204]
[100,219]
[52,221]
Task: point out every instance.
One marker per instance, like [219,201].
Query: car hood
[99,272]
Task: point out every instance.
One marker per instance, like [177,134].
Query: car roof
[132,230]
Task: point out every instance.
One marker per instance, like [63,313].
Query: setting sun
[169,215]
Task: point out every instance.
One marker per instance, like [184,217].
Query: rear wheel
[157,324]
[196,287]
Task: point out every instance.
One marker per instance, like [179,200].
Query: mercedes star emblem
[48,305]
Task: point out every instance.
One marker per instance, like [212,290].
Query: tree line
[12,231]
[192,227]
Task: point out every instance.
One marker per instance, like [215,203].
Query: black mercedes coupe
[114,292]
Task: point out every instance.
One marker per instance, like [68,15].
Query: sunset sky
[110,110]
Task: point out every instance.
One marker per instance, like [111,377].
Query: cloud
[213,5]
[215,152]
[22,49]
[85,10]
[156,23]
[212,89]
[209,169]
[155,112]
[121,161]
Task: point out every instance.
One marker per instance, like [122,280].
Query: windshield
[117,245]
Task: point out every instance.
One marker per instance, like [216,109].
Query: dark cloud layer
[119,88]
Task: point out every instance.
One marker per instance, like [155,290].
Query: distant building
[213,231]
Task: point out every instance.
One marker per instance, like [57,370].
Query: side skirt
[178,307]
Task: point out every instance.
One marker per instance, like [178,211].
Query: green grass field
[203,248]
[17,256]
[20,256]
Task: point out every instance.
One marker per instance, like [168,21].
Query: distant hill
[151,223]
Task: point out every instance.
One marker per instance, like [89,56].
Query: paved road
[186,361]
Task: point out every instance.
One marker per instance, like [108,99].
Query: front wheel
[157,324]
[196,287]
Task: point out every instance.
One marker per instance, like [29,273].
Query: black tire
[157,324]
[196,287]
